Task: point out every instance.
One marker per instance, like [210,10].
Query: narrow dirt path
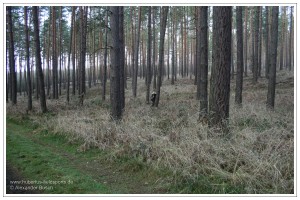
[119,179]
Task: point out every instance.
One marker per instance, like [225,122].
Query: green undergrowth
[37,161]
[39,154]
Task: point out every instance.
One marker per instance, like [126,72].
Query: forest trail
[48,158]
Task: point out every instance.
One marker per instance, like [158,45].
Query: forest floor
[37,155]
[157,150]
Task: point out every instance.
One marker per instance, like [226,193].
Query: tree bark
[256,36]
[116,110]
[259,42]
[29,103]
[60,49]
[73,52]
[203,62]
[246,42]
[173,47]
[163,24]
[154,49]
[69,56]
[12,72]
[38,59]
[54,55]
[198,50]
[122,58]
[148,57]
[273,58]
[239,77]
[282,38]
[105,59]
[136,53]
[220,74]
[291,55]
[267,59]
[83,33]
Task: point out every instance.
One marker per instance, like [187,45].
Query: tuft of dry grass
[259,154]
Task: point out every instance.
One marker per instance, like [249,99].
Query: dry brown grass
[259,154]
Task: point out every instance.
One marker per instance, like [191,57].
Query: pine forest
[149,99]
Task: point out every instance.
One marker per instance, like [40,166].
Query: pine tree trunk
[256,36]
[54,55]
[267,60]
[163,24]
[273,58]
[83,33]
[203,62]
[239,67]
[122,58]
[148,57]
[48,56]
[69,55]
[246,42]
[282,38]
[154,49]
[220,74]
[105,59]
[173,47]
[29,103]
[12,72]
[291,55]
[116,110]
[182,44]
[38,59]
[73,52]
[259,42]
[136,53]
[198,50]
[132,14]
[168,53]
[60,49]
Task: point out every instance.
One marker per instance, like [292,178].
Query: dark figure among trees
[153,96]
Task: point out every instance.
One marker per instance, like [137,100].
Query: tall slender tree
[163,24]
[83,33]
[115,98]
[203,40]
[104,79]
[220,73]
[48,54]
[198,50]
[136,53]
[73,52]
[54,56]
[267,54]
[173,46]
[291,46]
[154,48]
[12,72]
[60,49]
[122,57]
[260,41]
[38,59]
[148,82]
[29,104]
[246,42]
[132,17]
[255,47]
[240,64]
[69,55]
[273,58]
